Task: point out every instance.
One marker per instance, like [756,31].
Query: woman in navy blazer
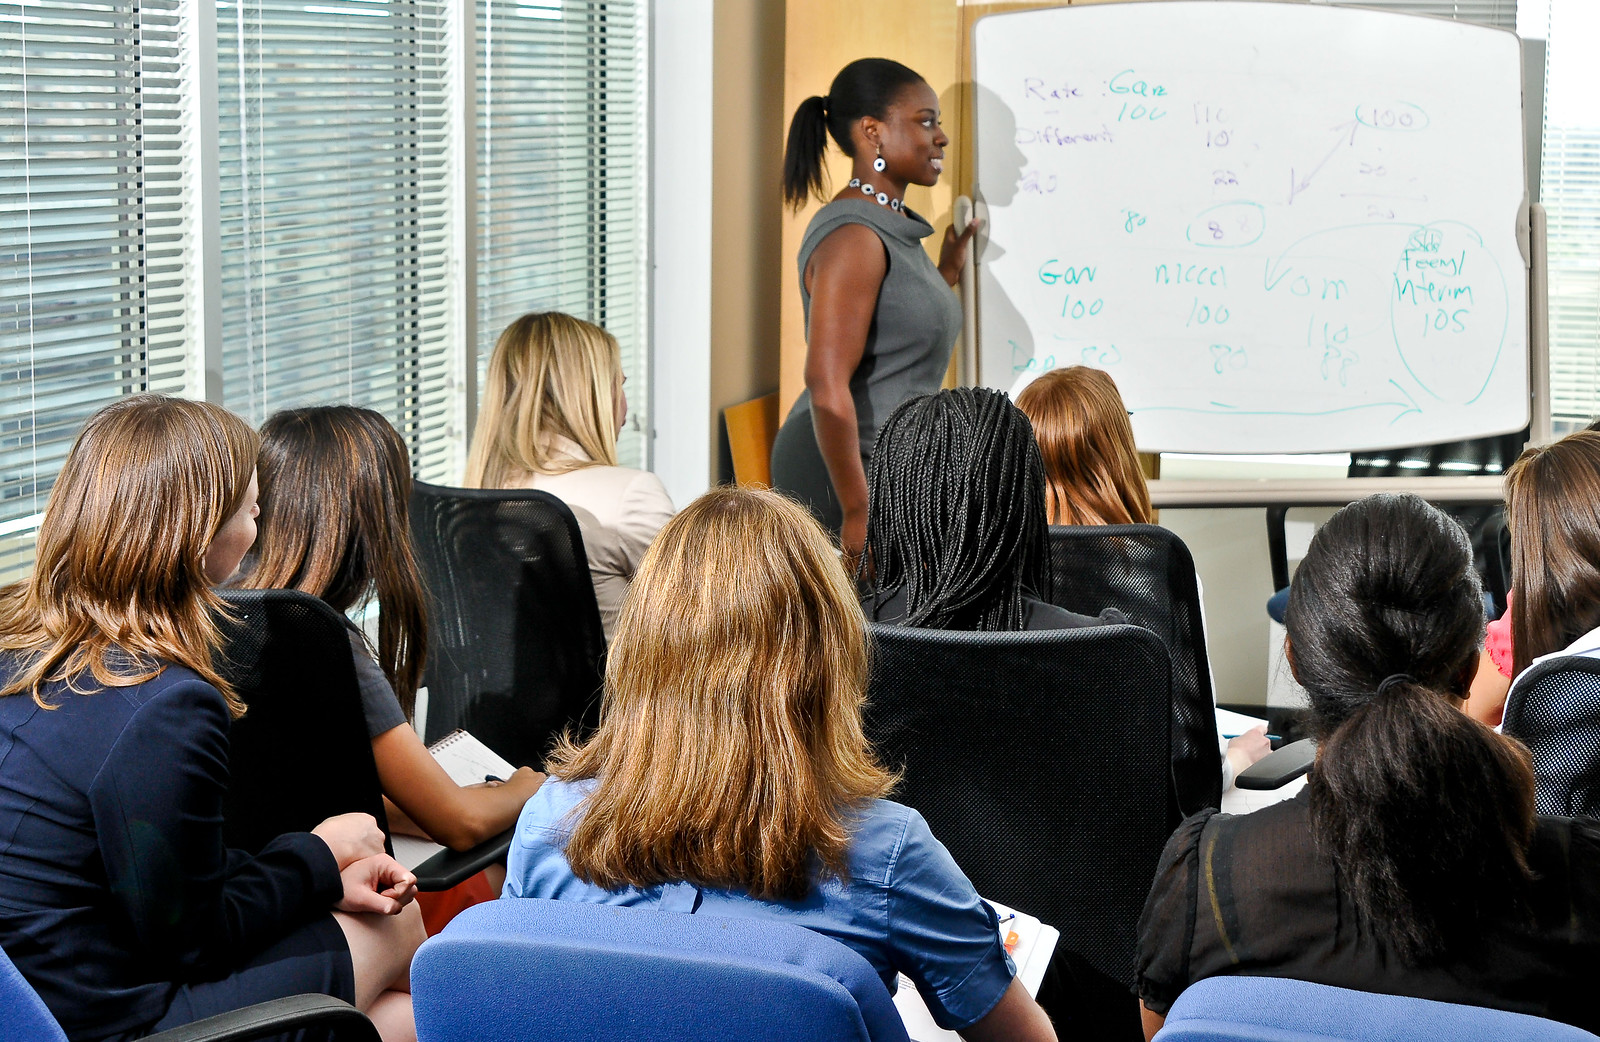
[118,901]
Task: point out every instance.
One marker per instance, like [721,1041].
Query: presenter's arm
[844,276]
[1015,1018]
[458,816]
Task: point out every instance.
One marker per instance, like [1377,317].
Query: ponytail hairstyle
[1091,466]
[335,523]
[1426,813]
[955,512]
[865,87]
[1553,509]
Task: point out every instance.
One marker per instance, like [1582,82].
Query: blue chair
[25,1018]
[1271,1009]
[565,971]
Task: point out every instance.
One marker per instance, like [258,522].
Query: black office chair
[1147,573]
[301,752]
[1554,709]
[1040,760]
[516,652]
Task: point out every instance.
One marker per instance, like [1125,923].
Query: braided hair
[955,512]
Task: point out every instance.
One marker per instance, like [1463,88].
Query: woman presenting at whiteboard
[880,317]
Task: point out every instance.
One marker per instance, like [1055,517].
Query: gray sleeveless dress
[915,325]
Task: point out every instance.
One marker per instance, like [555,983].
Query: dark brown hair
[1426,813]
[1091,467]
[335,523]
[730,751]
[1553,510]
[865,87]
[119,586]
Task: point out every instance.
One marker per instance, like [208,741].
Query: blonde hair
[551,376]
[1091,466]
[119,586]
[730,749]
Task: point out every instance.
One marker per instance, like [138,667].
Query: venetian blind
[92,232]
[1501,14]
[336,250]
[561,148]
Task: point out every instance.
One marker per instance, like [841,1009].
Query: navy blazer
[115,886]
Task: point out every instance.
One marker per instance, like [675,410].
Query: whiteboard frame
[1532,233]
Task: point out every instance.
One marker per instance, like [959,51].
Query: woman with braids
[956,530]
[880,316]
[1413,863]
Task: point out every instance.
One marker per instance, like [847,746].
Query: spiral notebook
[468,762]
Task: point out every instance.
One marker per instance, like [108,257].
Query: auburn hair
[730,751]
[335,523]
[551,376]
[1553,510]
[1091,466]
[119,588]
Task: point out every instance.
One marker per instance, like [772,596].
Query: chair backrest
[23,1015]
[565,971]
[1147,573]
[1040,760]
[1271,1009]
[1554,709]
[301,752]
[516,651]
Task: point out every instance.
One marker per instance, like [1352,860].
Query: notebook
[1030,943]
[468,762]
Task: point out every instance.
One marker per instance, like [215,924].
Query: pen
[492,778]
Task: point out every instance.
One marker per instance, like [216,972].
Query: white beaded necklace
[882,198]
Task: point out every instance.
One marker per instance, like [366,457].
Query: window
[560,185]
[351,188]
[92,233]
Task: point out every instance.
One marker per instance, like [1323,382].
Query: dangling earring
[878,164]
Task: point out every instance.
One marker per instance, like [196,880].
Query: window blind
[334,198]
[1501,14]
[561,148]
[92,232]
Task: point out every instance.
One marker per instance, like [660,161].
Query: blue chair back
[1271,1009]
[565,971]
[23,1015]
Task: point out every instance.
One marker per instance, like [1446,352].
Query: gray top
[378,701]
[916,322]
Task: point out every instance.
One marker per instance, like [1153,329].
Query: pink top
[1497,641]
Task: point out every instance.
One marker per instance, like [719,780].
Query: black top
[115,886]
[1036,614]
[1251,894]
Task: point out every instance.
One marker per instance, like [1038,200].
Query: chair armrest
[344,1022]
[1280,767]
[449,868]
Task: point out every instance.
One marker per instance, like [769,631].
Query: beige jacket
[619,510]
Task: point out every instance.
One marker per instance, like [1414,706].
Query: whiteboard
[1281,227]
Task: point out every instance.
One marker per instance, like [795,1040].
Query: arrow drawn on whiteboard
[1298,185]
[1406,408]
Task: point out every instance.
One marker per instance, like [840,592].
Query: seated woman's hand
[377,884]
[351,837]
[1247,748]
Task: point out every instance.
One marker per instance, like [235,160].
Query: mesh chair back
[1554,709]
[1272,1009]
[1040,760]
[568,971]
[1146,572]
[301,752]
[515,649]
[25,1018]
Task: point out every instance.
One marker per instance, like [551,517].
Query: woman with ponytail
[1413,863]
[880,316]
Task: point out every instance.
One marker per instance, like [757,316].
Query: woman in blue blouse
[118,901]
[736,680]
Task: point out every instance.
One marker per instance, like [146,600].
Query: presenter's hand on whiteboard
[953,252]
[377,884]
[351,837]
